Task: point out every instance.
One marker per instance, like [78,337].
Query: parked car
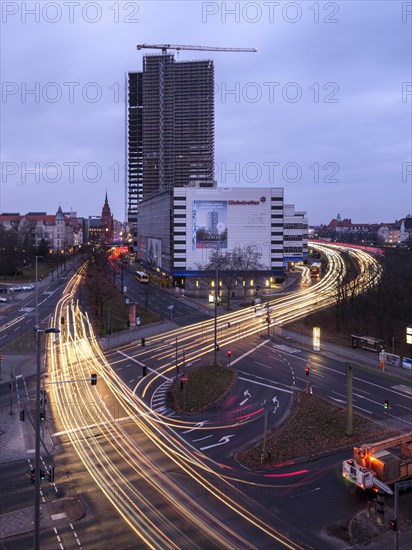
[16,288]
[28,287]
[3,289]
[3,299]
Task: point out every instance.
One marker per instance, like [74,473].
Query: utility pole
[216,302]
[38,333]
[177,365]
[265,434]
[11,390]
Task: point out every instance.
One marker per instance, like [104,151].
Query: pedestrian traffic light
[32,475]
[62,320]
[386,403]
[307,371]
[392,524]
[22,415]
[229,353]
[144,370]
[1,358]
[50,474]
[93,378]
[42,476]
[42,416]
[143,342]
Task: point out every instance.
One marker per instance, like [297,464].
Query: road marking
[55,517]
[265,385]
[247,395]
[234,361]
[143,365]
[222,441]
[403,388]
[196,426]
[203,438]
[288,349]
[263,364]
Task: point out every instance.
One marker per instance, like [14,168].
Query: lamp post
[38,332]
[36,292]
[216,303]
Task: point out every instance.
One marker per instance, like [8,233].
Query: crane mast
[177,47]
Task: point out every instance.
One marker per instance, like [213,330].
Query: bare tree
[234,267]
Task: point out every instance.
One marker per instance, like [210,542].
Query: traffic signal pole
[37,448]
[216,300]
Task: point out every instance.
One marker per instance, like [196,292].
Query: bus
[315,269]
[141,276]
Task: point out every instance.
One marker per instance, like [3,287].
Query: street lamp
[38,332]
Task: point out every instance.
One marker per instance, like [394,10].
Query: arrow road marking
[247,395]
[198,425]
[222,441]
[275,404]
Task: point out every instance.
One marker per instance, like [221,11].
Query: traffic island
[201,388]
[314,428]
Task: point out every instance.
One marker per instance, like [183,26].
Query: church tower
[107,222]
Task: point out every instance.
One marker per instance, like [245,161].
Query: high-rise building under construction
[170,125]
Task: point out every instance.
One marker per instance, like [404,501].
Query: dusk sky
[323,109]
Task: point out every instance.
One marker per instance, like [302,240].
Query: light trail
[91,428]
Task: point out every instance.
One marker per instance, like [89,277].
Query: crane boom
[165,47]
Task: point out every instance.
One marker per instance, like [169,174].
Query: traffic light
[42,476]
[22,415]
[392,524]
[42,416]
[386,404]
[144,370]
[143,342]
[32,475]
[62,320]
[93,378]
[50,474]
[1,358]
[229,353]
[307,371]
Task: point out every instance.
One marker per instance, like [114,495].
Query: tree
[234,267]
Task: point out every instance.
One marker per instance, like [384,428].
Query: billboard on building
[150,251]
[209,224]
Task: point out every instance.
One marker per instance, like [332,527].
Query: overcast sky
[323,109]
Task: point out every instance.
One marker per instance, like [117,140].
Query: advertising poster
[154,252]
[209,219]
[132,315]
[150,251]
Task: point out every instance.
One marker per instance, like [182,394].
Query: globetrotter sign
[246,203]
[232,203]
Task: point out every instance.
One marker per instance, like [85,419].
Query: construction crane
[165,47]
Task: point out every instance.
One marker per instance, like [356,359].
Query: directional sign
[247,395]
[222,441]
